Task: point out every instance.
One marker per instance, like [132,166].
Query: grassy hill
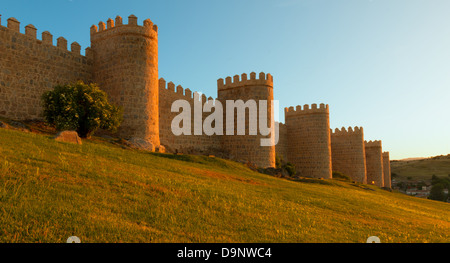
[102,193]
[422,168]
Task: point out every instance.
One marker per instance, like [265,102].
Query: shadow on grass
[312,181]
[194,159]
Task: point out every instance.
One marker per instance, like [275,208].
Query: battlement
[13,25]
[280,124]
[125,66]
[291,111]
[178,89]
[243,80]
[147,28]
[344,132]
[372,143]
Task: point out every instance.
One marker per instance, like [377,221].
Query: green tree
[437,193]
[278,161]
[80,107]
[434,179]
[402,185]
[290,168]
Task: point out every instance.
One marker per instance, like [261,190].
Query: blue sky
[380,64]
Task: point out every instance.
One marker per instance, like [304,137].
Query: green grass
[422,169]
[102,193]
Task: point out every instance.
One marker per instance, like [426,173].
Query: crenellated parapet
[123,61]
[374,163]
[126,67]
[307,109]
[178,92]
[243,80]
[112,27]
[348,153]
[31,66]
[31,32]
[372,143]
[197,142]
[308,133]
[247,148]
[346,132]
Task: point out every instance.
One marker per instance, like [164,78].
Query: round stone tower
[309,147]
[246,146]
[374,163]
[348,153]
[126,67]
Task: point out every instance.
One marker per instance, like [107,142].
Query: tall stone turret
[246,147]
[309,143]
[374,163]
[126,67]
[387,170]
[347,153]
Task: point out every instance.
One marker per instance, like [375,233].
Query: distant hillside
[412,159]
[422,168]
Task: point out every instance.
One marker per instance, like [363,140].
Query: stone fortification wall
[247,148]
[123,60]
[281,148]
[126,67]
[205,144]
[347,153]
[374,163]
[30,66]
[387,170]
[309,143]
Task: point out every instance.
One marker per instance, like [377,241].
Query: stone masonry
[309,143]
[387,170]
[374,163]
[29,67]
[126,67]
[347,153]
[123,61]
[242,147]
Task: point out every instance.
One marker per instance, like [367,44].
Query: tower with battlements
[347,153]
[126,67]
[248,90]
[309,142]
[123,61]
[374,163]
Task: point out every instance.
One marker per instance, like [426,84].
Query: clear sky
[380,64]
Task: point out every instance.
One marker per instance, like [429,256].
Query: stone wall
[126,67]
[387,170]
[29,67]
[281,148]
[309,143]
[247,148]
[196,144]
[347,153]
[123,60]
[374,163]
